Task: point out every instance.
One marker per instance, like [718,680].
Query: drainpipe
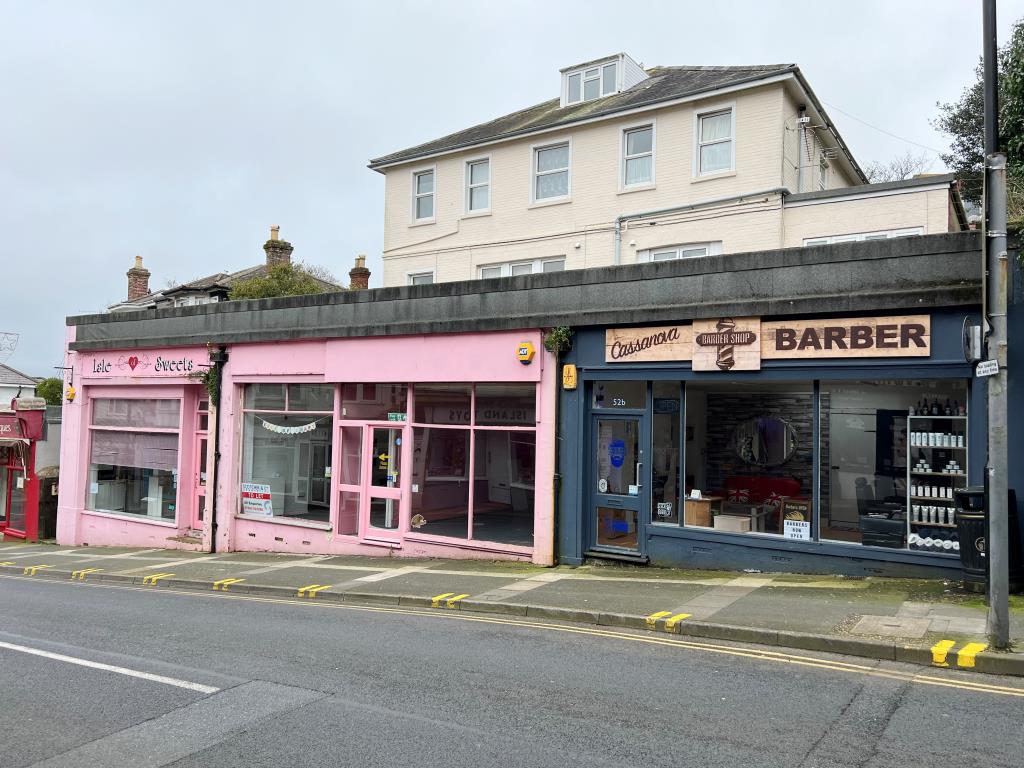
[219,358]
[680,208]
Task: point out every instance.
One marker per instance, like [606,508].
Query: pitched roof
[208,284]
[662,84]
[11,376]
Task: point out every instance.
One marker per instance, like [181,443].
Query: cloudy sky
[182,130]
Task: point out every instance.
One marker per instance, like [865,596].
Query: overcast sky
[181,131]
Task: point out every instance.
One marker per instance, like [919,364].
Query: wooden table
[698,511]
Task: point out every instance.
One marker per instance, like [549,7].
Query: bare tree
[899,168]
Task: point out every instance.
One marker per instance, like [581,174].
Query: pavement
[930,623]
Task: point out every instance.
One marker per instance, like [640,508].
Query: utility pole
[997,268]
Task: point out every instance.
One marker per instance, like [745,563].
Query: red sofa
[759,489]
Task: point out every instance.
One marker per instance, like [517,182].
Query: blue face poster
[617,452]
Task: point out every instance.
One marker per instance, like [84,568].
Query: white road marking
[111,668]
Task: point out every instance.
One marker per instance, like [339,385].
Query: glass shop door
[618,474]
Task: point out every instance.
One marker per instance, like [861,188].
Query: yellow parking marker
[435,601]
[670,624]
[30,570]
[939,651]
[316,588]
[223,584]
[652,620]
[153,578]
[80,575]
[965,656]
[7,562]
[451,601]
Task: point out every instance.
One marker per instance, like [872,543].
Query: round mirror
[765,441]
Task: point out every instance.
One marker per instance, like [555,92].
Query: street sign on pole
[987,368]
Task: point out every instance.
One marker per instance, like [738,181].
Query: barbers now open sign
[741,343]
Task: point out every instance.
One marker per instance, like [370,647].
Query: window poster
[256,499]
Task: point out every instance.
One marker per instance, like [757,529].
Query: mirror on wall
[764,441]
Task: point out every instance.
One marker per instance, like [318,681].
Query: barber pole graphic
[725,360]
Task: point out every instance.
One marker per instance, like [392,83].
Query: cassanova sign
[741,343]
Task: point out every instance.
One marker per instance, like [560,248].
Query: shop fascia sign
[144,364]
[741,343]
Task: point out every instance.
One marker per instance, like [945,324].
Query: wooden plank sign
[647,345]
[727,344]
[897,336]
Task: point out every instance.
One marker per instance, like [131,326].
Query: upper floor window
[478,186]
[514,268]
[687,251]
[551,171]
[591,83]
[860,236]
[421,278]
[715,141]
[423,195]
[638,156]
[823,174]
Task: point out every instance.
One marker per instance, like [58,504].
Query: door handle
[638,465]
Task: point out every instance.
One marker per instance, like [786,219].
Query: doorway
[618,484]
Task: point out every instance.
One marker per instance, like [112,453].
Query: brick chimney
[278,251]
[359,275]
[138,280]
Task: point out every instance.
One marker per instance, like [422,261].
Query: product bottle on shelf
[949,408]
[935,407]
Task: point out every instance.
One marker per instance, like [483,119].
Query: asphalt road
[120,677]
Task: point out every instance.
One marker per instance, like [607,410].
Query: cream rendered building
[630,165]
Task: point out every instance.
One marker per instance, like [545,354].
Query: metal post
[997,540]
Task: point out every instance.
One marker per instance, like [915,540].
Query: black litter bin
[972,531]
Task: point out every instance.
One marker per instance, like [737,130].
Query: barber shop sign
[741,343]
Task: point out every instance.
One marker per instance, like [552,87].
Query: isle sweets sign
[740,344]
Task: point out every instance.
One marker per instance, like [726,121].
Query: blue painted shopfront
[832,438]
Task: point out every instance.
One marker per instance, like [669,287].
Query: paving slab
[799,609]
[613,596]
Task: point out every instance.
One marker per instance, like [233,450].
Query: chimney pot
[359,275]
[138,280]
[278,251]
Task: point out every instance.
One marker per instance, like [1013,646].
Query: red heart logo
[132,362]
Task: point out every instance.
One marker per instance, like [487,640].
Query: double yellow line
[669,622]
[311,590]
[223,584]
[450,599]
[153,578]
[80,575]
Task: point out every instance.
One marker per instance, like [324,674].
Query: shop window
[311,397]
[665,467]
[749,457]
[264,397]
[506,405]
[481,468]
[443,403]
[620,394]
[503,487]
[287,453]
[870,433]
[133,458]
[374,402]
[440,482]
[126,412]
[348,513]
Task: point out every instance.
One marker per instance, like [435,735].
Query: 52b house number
[619,402]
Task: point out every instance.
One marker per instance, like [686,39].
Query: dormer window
[592,83]
[598,78]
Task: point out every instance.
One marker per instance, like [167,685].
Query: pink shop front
[439,445]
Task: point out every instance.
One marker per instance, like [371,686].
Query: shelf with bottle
[936,410]
[937,474]
[933,498]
